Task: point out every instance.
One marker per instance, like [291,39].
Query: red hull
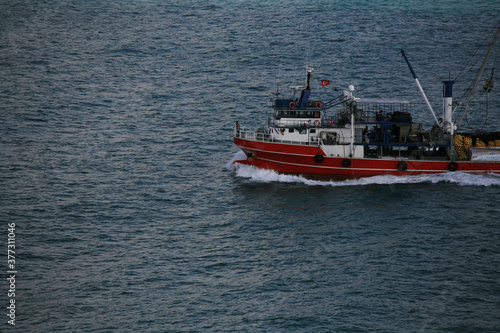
[299,159]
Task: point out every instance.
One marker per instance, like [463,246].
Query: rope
[424,69]
[483,126]
[378,78]
[487,88]
[487,38]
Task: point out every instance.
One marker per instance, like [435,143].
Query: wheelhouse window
[278,114]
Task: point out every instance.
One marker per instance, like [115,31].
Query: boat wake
[266,176]
[239,156]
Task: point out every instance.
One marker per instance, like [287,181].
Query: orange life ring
[317,123]
[331,122]
[318,105]
[292,105]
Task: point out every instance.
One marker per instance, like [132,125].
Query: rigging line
[424,69]
[483,96]
[488,37]
[471,67]
[476,101]
[469,88]
[481,70]
[387,71]
[483,126]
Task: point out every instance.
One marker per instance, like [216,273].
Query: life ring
[346,163]
[318,158]
[331,122]
[317,123]
[292,105]
[452,166]
[318,105]
[402,166]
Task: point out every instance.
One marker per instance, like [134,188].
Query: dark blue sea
[116,123]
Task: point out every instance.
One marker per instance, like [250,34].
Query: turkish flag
[325,83]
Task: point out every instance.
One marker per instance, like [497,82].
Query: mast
[448,104]
[478,77]
[309,71]
[420,87]
[304,96]
[352,108]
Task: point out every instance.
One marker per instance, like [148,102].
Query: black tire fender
[402,166]
[453,166]
[346,163]
[318,158]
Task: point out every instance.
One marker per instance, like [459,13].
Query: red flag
[325,83]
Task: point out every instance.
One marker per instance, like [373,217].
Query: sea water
[115,168]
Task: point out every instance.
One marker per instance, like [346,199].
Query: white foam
[239,156]
[459,178]
[265,176]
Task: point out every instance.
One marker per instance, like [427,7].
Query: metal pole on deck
[420,87]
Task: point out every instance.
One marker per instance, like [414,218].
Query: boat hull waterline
[303,160]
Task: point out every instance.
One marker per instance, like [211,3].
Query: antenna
[309,71]
[278,81]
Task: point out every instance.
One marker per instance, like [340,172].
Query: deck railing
[249,135]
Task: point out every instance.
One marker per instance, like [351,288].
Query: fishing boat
[351,137]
